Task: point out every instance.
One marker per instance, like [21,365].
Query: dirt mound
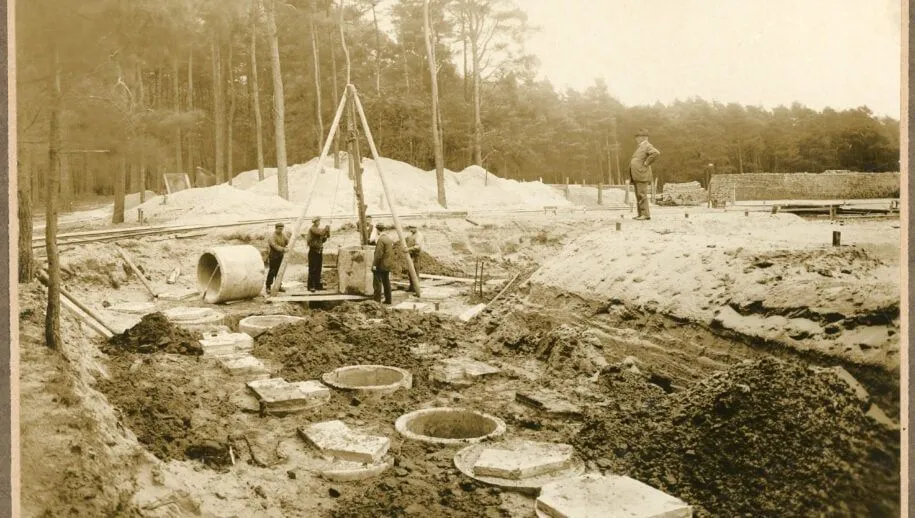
[365,333]
[156,333]
[762,439]
[427,485]
[427,264]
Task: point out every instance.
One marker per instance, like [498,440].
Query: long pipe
[43,278]
[384,185]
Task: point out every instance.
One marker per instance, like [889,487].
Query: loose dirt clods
[155,333]
[764,438]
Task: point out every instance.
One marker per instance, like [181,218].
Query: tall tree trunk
[436,138]
[176,88]
[255,92]
[190,109]
[230,169]
[464,43]
[66,183]
[219,110]
[141,172]
[477,118]
[278,103]
[24,212]
[52,316]
[317,62]
[120,179]
[739,156]
[377,49]
[406,63]
[333,65]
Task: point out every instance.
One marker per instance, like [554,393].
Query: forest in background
[162,86]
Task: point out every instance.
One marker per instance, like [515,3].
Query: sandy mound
[219,203]
[761,439]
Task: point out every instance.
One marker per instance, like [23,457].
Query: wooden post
[298,225]
[619,226]
[600,194]
[567,187]
[384,185]
[138,272]
[832,212]
[836,238]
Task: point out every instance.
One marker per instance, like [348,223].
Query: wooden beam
[138,272]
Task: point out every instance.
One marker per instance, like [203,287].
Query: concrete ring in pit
[449,426]
[465,459]
[373,379]
[256,325]
[198,319]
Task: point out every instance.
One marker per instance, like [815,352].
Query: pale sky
[837,53]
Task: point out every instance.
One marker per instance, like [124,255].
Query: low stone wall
[803,186]
[689,193]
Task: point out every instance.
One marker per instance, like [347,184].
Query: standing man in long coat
[640,171]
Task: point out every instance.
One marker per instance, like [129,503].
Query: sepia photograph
[458,258]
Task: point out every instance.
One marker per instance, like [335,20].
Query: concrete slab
[245,366]
[134,308]
[548,401]
[466,458]
[179,294]
[227,344]
[279,396]
[523,460]
[471,312]
[598,496]
[461,371]
[336,439]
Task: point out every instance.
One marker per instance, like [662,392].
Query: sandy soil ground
[653,330]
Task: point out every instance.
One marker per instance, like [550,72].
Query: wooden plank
[316,298]
[138,272]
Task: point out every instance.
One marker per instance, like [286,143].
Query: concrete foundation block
[597,496]
[336,439]
[179,294]
[244,365]
[548,401]
[227,344]
[461,371]
[525,460]
[279,396]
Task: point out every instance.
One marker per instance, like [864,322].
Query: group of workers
[377,235]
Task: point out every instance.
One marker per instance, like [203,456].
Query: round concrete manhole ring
[256,325]
[198,319]
[466,458]
[371,379]
[449,426]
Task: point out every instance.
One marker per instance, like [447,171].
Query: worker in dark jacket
[382,265]
[316,238]
[640,171]
[276,250]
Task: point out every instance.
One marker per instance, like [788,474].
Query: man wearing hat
[640,171]
[316,238]
[277,249]
[415,243]
[383,264]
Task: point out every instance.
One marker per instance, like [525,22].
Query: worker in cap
[276,244]
[316,238]
[415,243]
[382,264]
[369,231]
[640,171]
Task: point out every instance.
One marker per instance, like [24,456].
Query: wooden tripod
[350,95]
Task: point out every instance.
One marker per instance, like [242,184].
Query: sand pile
[155,333]
[765,438]
[218,203]
[413,189]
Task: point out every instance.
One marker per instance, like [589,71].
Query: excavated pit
[370,379]
[449,426]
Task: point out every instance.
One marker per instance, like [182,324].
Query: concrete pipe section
[449,426]
[256,325]
[227,273]
[371,379]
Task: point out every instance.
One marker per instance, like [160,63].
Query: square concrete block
[243,365]
[529,459]
[548,401]
[313,389]
[278,395]
[336,439]
[598,496]
[461,371]
[223,344]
